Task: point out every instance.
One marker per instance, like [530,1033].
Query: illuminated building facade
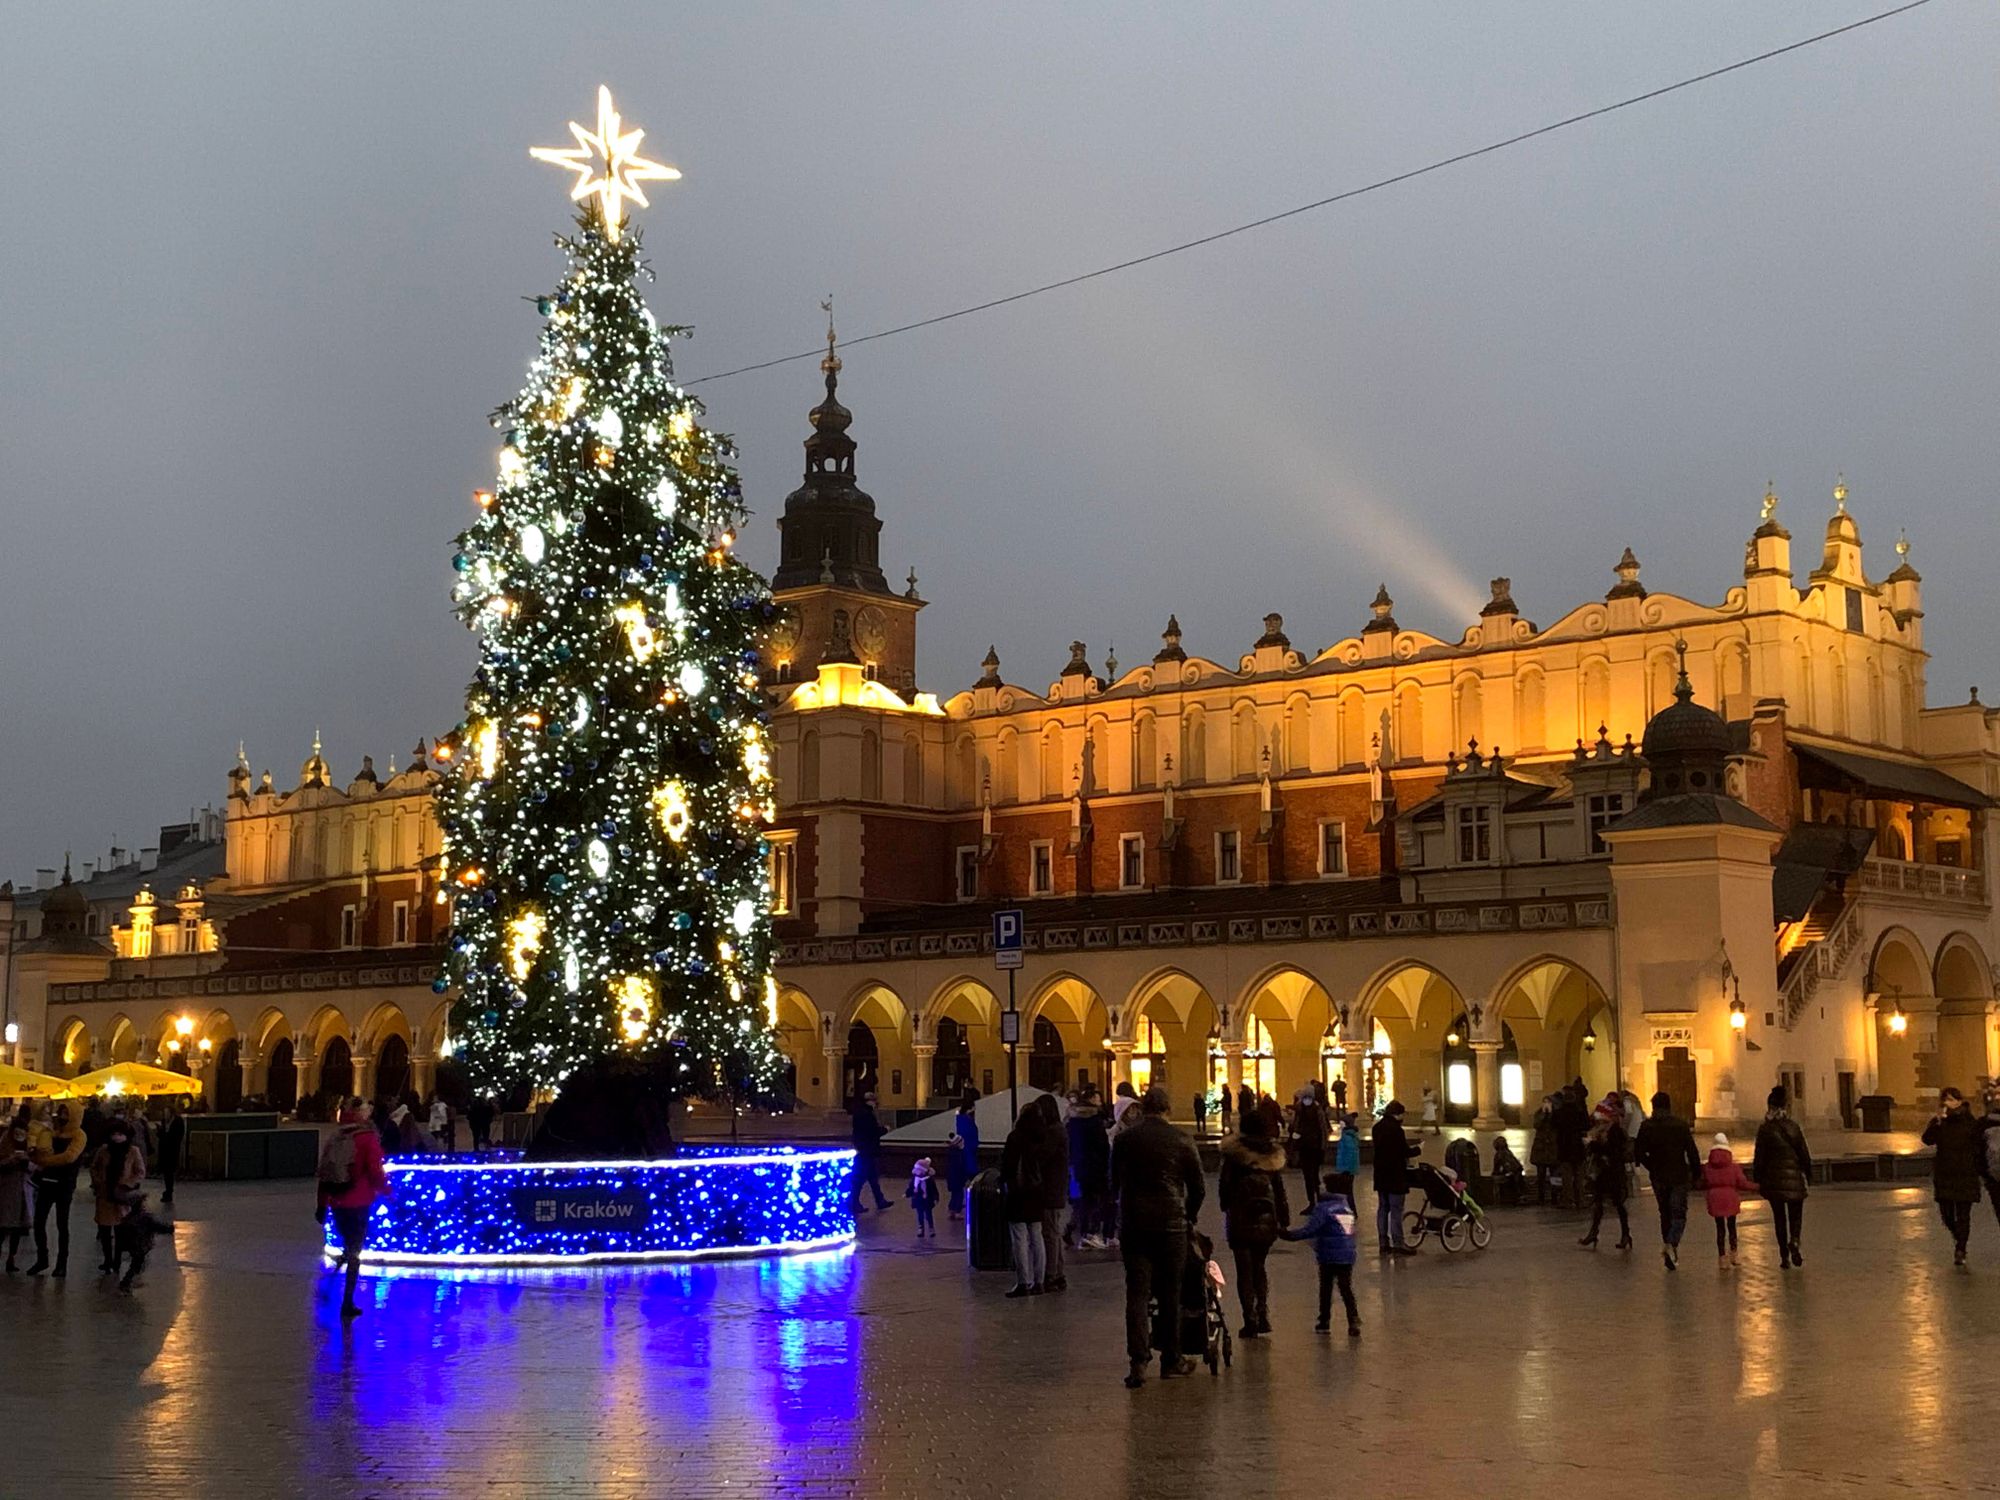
[1398,859]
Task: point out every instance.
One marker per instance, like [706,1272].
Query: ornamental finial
[1840,494]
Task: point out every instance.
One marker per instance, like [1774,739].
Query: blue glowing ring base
[710,1201]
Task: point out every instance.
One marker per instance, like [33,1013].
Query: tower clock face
[784,631]
[871,633]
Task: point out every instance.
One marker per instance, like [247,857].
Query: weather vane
[607,164]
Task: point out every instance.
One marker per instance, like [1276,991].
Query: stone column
[1486,1087]
[1355,1070]
[423,1074]
[830,1079]
[306,1063]
[364,1075]
[1232,1065]
[924,1051]
[1121,1062]
[251,1062]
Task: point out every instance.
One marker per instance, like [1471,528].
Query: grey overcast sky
[263,269]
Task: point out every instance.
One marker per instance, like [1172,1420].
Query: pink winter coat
[1725,1184]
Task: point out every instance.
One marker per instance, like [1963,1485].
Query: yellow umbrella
[132,1078]
[19,1083]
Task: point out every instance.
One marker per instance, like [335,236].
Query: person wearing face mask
[57,1160]
[118,1174]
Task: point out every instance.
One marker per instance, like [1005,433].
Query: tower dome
[1687,747]
[66,910]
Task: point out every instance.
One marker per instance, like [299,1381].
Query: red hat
[1608,1112]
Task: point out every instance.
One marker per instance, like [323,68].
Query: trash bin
[1875,1112]
[986,1246]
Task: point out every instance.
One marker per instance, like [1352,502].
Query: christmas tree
[605,796]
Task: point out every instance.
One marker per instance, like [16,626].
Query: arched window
[1837,693]
[1469,701]
[1595,698]
[1052,762]
[1802,700]
[1298,734]
[1732,671]
[1097,757]
[1007,767]
[1353,728]
[1046,1061]
[951,1065]
[1531,711]
[860,1073]
[1194,747]
[1149,1056]
[1661,674]
[965,772]
[809,766]
[1260,1059]
[913,769]
[1877,727]
[1409,722]
[871,766]
[1145,751]
[1243,759]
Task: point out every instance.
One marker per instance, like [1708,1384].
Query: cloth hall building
[1655,842]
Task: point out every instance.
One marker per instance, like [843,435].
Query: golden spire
[1770,501]
[831,364]
[1840,494]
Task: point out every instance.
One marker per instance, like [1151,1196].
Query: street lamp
[1738,1019]
[1898,1022]
[1590,1038]
[184,1025]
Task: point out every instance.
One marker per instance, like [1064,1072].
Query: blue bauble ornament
[617,926]
[645,559]
[697,966]
[557,881]
[461,562]
[607,829]
[562,652]
[545,305]
[682,921]
[439,985]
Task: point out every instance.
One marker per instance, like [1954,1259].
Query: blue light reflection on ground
[766,1355]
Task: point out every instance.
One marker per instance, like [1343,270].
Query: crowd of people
[1086,1173]
[46,1151]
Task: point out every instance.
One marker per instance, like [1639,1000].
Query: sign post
[1009,950]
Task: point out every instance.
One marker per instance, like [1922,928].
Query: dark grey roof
[197,862]
[1692,810]
[1896,777]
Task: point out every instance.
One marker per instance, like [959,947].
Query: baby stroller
[1447,1210]
[1204,1328]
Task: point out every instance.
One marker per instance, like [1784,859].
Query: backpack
[336,1160]
[1258,1207]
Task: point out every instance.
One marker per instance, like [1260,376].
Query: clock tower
[834,604]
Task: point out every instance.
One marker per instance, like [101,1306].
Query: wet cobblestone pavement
[1534,1368]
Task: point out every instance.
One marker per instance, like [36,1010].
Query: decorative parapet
[1348,925]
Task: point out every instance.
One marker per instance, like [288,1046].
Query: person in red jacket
[1723,1184]
[351,1178]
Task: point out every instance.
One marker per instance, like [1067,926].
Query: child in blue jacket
[1329,1224]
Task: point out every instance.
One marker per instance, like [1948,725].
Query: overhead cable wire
[1341,197]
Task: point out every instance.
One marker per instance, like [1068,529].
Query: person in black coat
[1571,1122]
[868,1131]
[1088,1128]
[1157,1177]
[1665,1148]
[1960,1162]
[1310,1129]
[1393,1152]
[1782,1166]
[173,1146]
[1053,1143]
[1251,1193]
[1605,1149]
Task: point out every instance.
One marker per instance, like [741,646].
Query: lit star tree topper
[607,164]
[607,791]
